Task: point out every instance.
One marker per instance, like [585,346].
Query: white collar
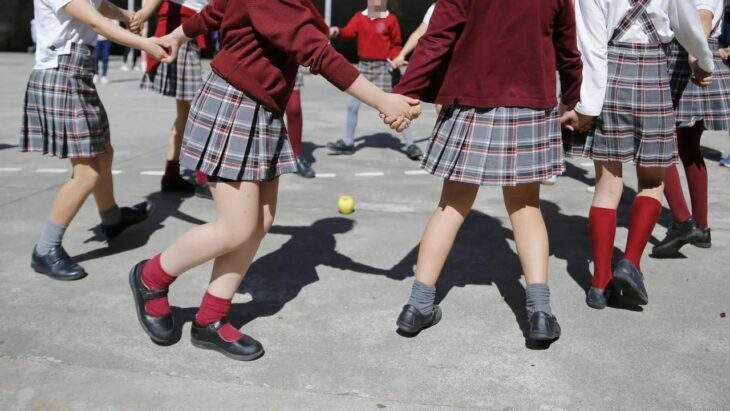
[380,15]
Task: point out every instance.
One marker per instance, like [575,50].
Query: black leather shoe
[57,264]
[160,329]
[628,284]
[677,236]
[206,337]
[543,327]
[413,152]
[203,191]
[129,217]
[411,320]
[706,241]
[339,147]
[598,298]
[176,184]
[304,168]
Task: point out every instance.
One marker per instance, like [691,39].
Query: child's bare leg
[104,189]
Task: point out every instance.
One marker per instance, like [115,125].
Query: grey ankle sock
[538,298]
[111,216]
[51,236]
[422,297]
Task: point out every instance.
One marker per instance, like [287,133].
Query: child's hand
[569,119]
[725,53]
[159,49]
[699,75]
[172,45]
[130,22]
[136,22]
[396,105]
[334,32]
[398,62]
[585,123]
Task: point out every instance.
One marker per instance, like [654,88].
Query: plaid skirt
[378,72]
[180,79]
[300,80]
[502,146]
[637,121]
[63,115]
[230,136]
[694,103]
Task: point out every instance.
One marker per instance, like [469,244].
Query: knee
[86,179]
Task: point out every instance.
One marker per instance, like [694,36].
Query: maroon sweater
[263,42]
[487,54]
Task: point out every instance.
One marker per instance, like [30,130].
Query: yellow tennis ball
[346,204]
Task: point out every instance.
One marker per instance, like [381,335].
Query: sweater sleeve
[688,30]
[434,48]
[396,40]
[209,19]
[567,54]
[349,32]
[290,26]
[593,44]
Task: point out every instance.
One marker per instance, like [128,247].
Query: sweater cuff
[194,27]
[341,74]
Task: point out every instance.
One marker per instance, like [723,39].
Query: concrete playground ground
[325,289]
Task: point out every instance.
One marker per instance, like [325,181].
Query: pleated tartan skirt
[62,114]
[378,73]
[693,103]
[230,136]
[637,122]
[501,146]
[181,79]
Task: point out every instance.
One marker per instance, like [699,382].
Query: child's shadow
[482,256]
[165,205]
[381,140]
[277,278]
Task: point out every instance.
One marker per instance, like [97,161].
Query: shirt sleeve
[708,5]
[434,48]
[57,5]
[429,13]
[593,44]
[289,26]
[209,19]
[688,30]
[396,41]
[350,30]
[566,54]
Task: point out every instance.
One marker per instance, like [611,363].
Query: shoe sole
[702,245]
[628,291]
[673,247]
[65,278]
[210,346]
[545,336]
[415,330]
[595,305]
[138,304]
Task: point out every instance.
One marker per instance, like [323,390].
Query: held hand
[334,31]
[585,123]
[159,49]
[395,105]
[563,108]
[569,120]
[725,53]
[699,75]
[398,62]
[136,22]
[171,45]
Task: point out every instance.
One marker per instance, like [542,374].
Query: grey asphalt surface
[325,289]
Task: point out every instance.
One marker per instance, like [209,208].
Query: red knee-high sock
[172,168]
[155,278]
[644,215]
[602,227]
[675,196]
[295,122]
[214,308]
[694,167]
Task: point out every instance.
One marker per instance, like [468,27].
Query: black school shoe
[339,147]
[628,284]
[677,236]
[304,168]
[413,152]
[129,217]
[598,298]
[206,337]
[57,264]
[411,321]
[543,327]
[160,329]
[176,184]
[706,241]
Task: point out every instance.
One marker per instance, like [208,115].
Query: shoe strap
[152,294]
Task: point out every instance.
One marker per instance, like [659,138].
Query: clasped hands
[397,111]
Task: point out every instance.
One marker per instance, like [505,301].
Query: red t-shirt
[377,39]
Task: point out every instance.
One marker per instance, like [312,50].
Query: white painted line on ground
[51,170]
[10,169]
[587,164]
[152,173]
[416,172]
[326,175]
[116,172]
[387,208]
[370,174]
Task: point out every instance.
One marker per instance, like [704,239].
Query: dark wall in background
[15,16]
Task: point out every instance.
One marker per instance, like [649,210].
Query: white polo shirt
[429,13]
[56,31]
[196,5]
[716,7]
